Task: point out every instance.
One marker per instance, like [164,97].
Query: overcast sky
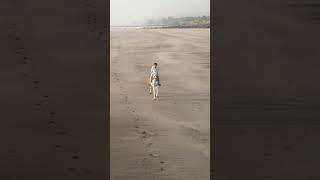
[133,12]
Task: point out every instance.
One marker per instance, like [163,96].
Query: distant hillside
[183,22]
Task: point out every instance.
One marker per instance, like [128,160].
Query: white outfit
[154,81]
[153,68]
[155,84]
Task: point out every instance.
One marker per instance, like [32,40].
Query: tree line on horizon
[198,21]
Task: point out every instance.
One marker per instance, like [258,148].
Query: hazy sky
[130,12]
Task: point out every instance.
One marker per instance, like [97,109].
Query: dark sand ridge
[53,90]
[169,138]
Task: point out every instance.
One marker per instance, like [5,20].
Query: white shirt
[154,81]
[153,68]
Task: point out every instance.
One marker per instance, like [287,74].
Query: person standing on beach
[154,81]
[154,68]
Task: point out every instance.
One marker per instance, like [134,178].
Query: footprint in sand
[52,124]
[146,134]
[74,157]
[36,83]
[70,169]
[46,98]
[196,106]
[162,164]
[289,147]
[26,75]
[38,106]
[126,100]
[25,60]
[63,133]
[153,155]
[86,171]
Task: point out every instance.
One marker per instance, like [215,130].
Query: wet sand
[168,138]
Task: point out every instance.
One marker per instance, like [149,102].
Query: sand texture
[166,139]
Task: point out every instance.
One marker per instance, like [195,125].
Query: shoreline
[115,28]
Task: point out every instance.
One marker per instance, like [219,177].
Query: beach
[166,139]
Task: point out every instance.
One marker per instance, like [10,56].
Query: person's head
[155,64]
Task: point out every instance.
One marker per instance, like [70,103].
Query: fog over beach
[136,13]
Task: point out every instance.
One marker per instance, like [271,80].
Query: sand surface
[168,138]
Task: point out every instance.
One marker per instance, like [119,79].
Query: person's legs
[154,92]
[158,78]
